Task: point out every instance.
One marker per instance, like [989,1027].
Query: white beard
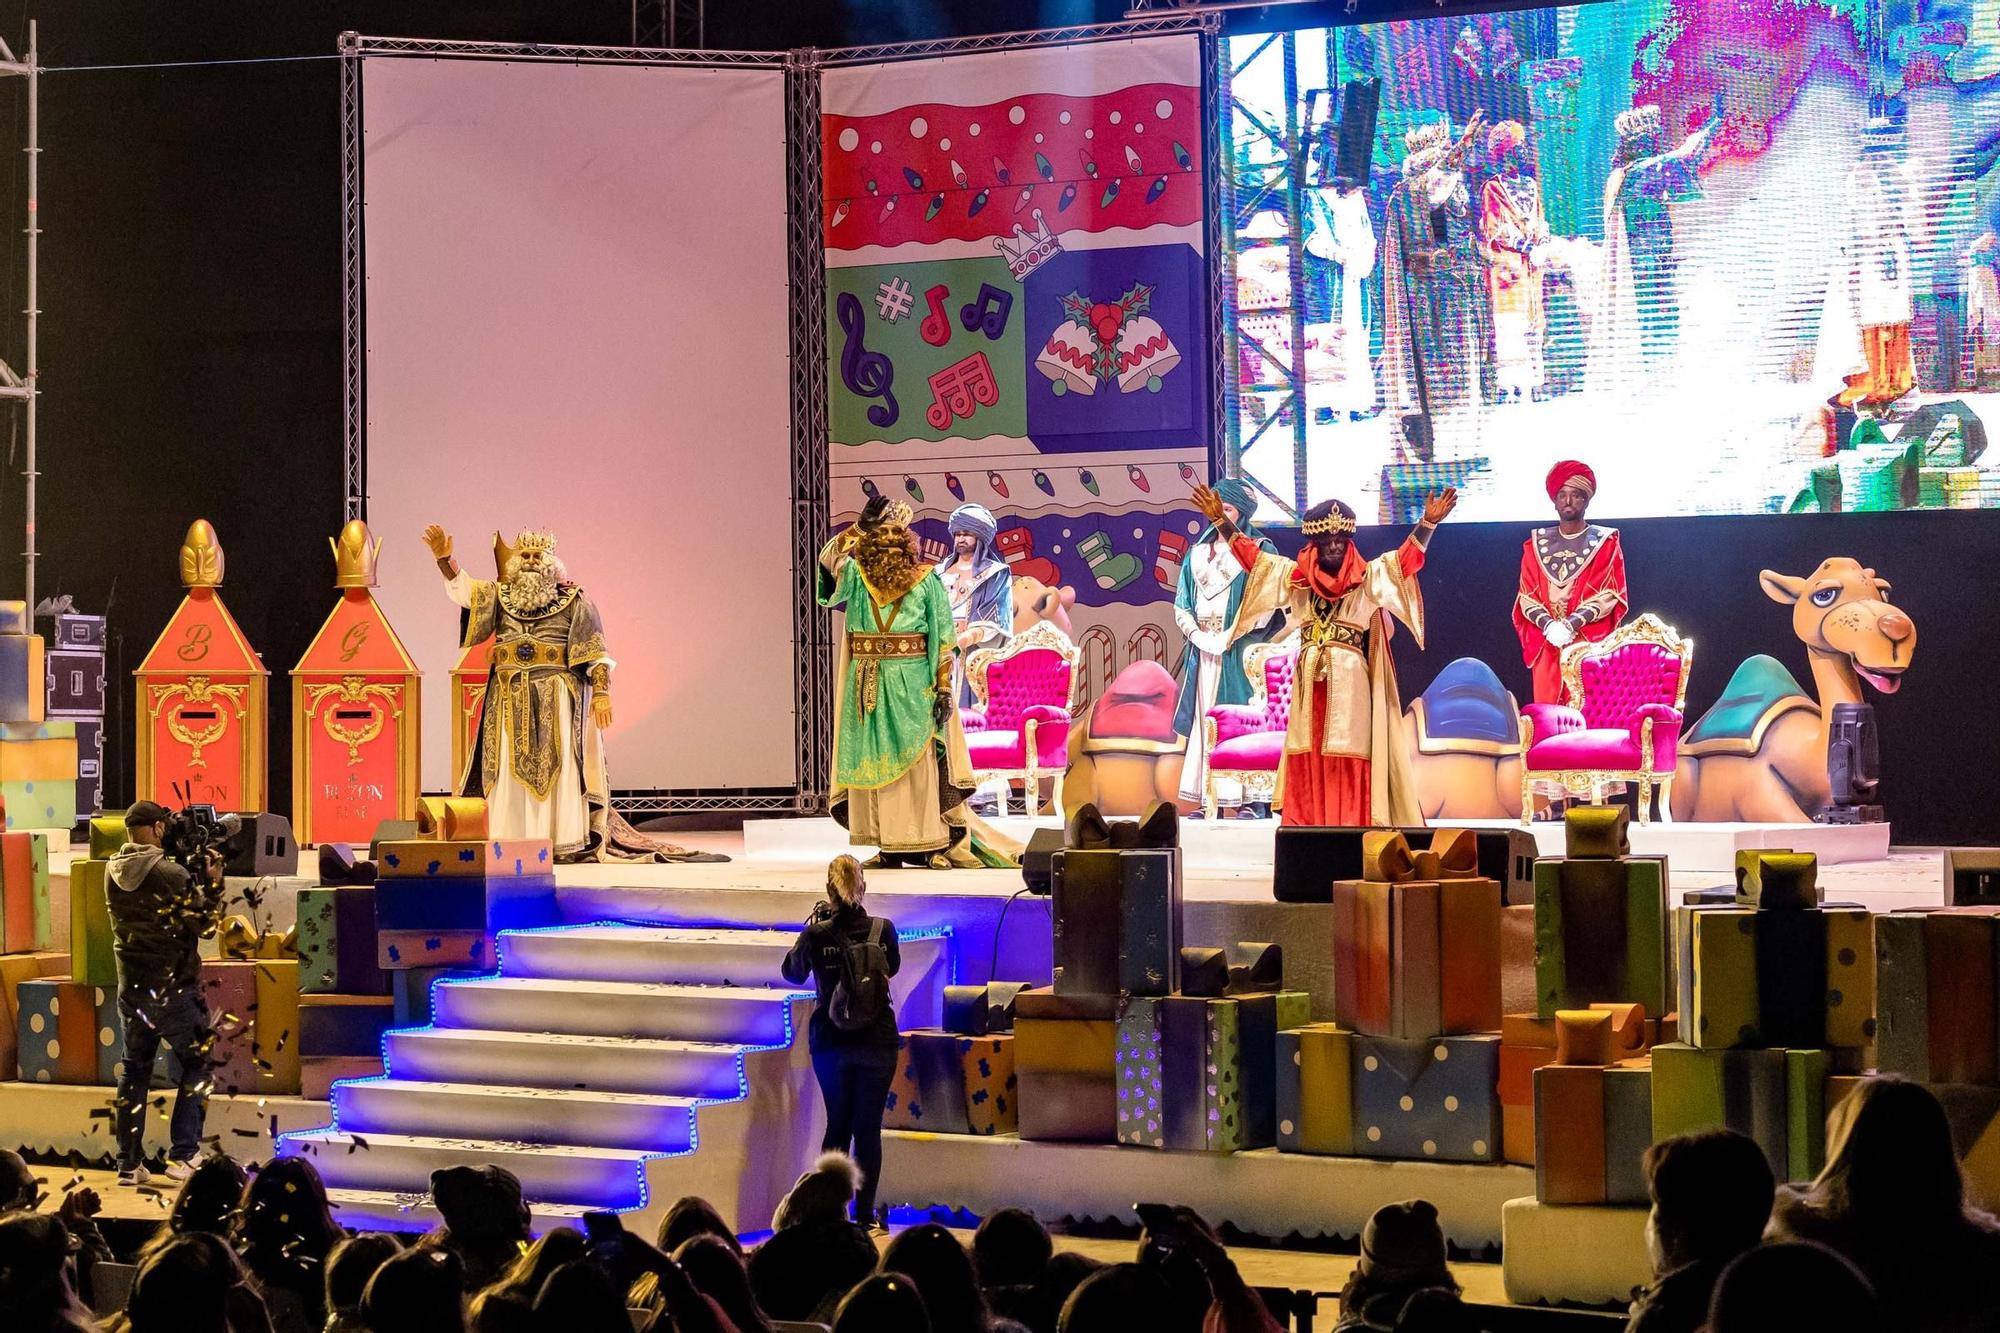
[533,589]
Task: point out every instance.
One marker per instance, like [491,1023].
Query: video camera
[195,830]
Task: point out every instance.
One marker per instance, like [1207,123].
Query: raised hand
[1438,507]
[872,513]
[1209,503]
[439,541]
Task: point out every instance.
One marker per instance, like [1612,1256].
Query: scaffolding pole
[23,385]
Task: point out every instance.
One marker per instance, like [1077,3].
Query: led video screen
[1740,255]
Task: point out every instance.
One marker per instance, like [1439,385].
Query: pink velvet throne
[1247,741]
[1026,689]
[1622,722]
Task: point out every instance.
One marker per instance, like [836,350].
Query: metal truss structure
[812,637]
[812,659]
[1163,21]
[1267,172]
[676,23]
[812,631]
[23,385]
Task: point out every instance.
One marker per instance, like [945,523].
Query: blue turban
[975,519]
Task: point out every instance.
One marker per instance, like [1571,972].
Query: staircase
[601,1061]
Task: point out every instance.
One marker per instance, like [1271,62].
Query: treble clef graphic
[865,373]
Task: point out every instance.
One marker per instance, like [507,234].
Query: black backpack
[861,995]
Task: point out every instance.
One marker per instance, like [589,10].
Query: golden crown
[354,556]
[532,540]
[1334,522]
[899,514]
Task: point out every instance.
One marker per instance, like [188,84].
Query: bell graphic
[1066,359]
[1145,354]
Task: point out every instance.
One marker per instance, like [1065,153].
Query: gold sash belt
[1327,633]
[521,653]
[869,651]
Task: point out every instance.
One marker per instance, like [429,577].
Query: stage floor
[1229,861]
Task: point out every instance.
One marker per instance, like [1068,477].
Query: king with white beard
[539,756]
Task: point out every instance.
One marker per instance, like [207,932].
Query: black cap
[147,812]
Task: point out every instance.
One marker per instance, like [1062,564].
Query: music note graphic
[936,328]
[866,374]
[961,389]
[989,312]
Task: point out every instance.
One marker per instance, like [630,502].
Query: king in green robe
[901,773]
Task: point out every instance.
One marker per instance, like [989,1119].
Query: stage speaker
[1354,149]
[1971,876]
[1038,869]
[1309,860]
[262,847]
[391,830]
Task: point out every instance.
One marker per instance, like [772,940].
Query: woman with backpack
[850,957]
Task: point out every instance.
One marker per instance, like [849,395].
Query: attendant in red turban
[1572,581]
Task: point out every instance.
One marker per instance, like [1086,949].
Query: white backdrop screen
[576,320]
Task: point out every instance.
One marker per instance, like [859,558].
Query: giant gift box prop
[23,691]
[203,709]
[1593,1117]
[1936,991]
[1417,943]
[24,892]
[1065,1058]
[336,940]
[440,903]
[1315,1092]
[1117,921]
[1600,919]
[90,940]
[343,1024]
[67,1031]
[355,711]
[948,1083]
[16,968]
[1427,1100]
[1529,1041]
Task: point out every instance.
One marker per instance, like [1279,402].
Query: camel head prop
[1841,612]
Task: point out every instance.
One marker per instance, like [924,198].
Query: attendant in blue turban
[981,588]
[1205,605]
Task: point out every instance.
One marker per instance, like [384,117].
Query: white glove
[1213,642]
[1559,633]
[1186,623]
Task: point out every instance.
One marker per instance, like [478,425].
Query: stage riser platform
[689,957]
[968,903]
[1265,1192]
[606,1177]
[642,1122]
[554,1060]
[612,1009]
[1239,844]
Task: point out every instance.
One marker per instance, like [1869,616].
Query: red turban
[1568,472]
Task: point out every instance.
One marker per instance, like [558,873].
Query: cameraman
[159,914]
[850,957]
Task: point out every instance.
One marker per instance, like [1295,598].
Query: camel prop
[1760,753]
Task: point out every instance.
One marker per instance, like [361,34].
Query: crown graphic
[354,556]
[1026,250]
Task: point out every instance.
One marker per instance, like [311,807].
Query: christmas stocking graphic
[1112,569]
[1167,567]
[1017,548]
